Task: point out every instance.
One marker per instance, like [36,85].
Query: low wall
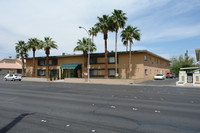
[196,79]
[34,79]
[82,80]
[104,81]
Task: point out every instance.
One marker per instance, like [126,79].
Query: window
[93,72]
[145,58]
[41,72]
[111,72]
[54,72]
[54,62]
[111,59]
[93,60]
[97,72]
[145,72]
[41,62]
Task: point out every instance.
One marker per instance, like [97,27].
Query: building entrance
[71,70]
[190,77]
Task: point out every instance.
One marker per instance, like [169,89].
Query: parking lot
[166,82]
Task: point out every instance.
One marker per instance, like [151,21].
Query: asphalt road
[43,107]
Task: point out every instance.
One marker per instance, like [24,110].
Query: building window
[93,60]
[111,72]
[145,72]
[93,72]
[54,62]
[97,72]
[41,72]
[41,62]
[54,72]
[145,57]
[111,59]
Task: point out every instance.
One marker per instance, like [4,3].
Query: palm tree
[34,44]
[48,44]
[85,45]
[118,21]
[128,35]
[104,25]
[93,32]
[21,50]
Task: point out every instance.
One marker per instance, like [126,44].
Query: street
[51,107]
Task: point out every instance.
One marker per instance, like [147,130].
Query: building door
[70,73]
[189,77]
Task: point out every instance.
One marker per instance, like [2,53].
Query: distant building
[144,65]
[10,66]
[190,76]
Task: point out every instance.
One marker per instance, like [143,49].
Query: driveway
[166,82]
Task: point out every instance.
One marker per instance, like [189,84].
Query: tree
[128,35]
[85,45]
[118,21]
[34,44]
[181,62]
[22,52]
[104,25]
[47,45]
[93,32]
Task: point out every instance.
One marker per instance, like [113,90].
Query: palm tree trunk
[130,47]
[116,72]
[106,55]
[33,74]
[23,70]
[47,69]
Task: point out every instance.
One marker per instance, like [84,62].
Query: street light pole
[88,64]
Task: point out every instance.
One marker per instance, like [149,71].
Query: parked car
[13,77]
[159,76]
[174,75]
[170,75]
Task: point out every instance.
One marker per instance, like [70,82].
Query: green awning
[70,66]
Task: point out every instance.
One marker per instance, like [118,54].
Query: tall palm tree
[118,21]
[85,45]
[34,44]
[47,45]
[93,32]
[128,35]
[22,52]
[104,25]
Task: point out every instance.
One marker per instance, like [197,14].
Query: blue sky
[168,27]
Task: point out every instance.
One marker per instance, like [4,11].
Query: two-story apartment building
[144,65]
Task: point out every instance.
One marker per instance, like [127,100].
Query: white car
[159,76]
[13,77]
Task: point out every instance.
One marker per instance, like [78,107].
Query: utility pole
[186,57]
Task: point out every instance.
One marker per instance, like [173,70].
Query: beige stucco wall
[136,66]
[155,65]
[29,67]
